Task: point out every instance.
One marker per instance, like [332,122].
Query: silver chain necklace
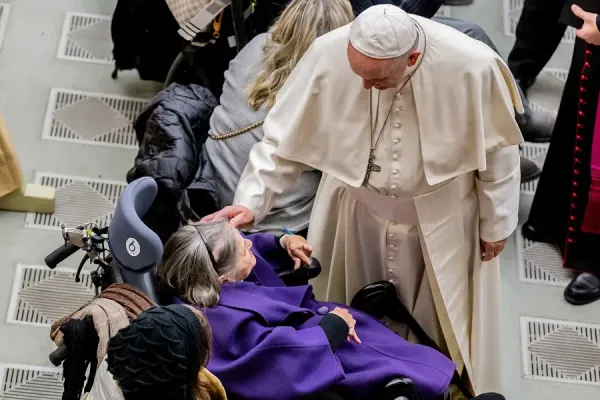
[371,166]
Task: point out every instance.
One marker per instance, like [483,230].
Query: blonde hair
[291,35]
[202,389]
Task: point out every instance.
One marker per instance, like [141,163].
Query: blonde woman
[251,84]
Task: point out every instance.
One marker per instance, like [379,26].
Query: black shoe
[530,233]
[584,289]
[399,389]
[536,126]
[529,170]
[489,396]
[458,2]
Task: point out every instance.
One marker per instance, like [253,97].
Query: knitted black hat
[158,355]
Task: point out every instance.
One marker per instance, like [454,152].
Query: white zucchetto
[383,31]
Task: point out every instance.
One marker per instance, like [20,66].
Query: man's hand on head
[239,216]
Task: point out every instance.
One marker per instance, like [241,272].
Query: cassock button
[398,95]
[391,281]
[398,110]
[391,258]
[395,156]
[391,236]
[393,196]
[396,141]
[396,125]
[394,187]
[391,271]
[395,172]
[392,246]
[322,310]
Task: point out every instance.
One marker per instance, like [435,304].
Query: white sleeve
[266,175]
[498,190]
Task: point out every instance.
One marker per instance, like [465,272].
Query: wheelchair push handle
[58,355]
[60,254]
[307,271]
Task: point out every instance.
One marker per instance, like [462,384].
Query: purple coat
[267,343]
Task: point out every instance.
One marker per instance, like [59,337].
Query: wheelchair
[127,252]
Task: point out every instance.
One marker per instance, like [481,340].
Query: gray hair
[186,267]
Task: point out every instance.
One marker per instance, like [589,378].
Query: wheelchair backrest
[134,246]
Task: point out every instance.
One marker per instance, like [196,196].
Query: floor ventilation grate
[541,263]
[560,74]
[512,12]
[24,382]
[536,153]
[41,296]
[4,11]
[87,38]
[78,200]
[92,118]
[561,351]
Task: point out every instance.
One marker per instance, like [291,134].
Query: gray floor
[71,125]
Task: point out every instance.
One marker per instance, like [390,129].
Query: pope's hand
[490,250]
[238,216]
[589,31]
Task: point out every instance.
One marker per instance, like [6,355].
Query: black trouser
[538,35]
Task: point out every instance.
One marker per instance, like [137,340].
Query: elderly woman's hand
[589,31]
[298,249]
[349,320]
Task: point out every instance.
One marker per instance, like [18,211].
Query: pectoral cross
[371,166]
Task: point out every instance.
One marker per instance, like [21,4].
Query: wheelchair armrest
[302,275]
[380,300]
[376,299]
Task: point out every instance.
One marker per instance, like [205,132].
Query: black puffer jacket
[171,131]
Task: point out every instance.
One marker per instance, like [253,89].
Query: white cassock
[449,177]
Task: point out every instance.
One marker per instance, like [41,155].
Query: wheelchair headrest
[132,244]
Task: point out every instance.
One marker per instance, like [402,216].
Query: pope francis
[412,124]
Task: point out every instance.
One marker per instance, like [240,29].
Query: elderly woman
[251,84]
[162,354]
[276,342]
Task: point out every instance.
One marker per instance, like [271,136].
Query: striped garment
[226,159]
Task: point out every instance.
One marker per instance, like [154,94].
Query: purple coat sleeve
[259,362]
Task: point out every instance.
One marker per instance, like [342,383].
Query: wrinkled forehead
[370,68]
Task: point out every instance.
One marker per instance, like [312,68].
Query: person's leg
[470,29]
[423,8]
[535,126]
[538,34]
